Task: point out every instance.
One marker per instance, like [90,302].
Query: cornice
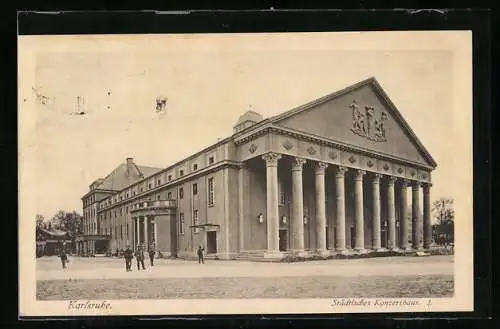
[178,181]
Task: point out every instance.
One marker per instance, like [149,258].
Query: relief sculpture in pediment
[368,123]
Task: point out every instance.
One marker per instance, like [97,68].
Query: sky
[210,80]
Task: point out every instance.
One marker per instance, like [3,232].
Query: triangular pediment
[361,116]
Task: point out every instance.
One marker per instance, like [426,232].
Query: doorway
[283,242]
[212,242]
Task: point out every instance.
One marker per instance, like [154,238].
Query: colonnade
[297,220]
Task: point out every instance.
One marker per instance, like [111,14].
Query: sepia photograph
[245,173]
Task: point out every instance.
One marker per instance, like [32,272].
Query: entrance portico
[364,213]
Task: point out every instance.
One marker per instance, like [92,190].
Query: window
[169,178]
[281,192]
[121,211]
[181,223]
[126,195]
[126,209]
[126,230]
[142,189]
[195,189]
[181,193]
[133,193]
[169,195]
[211,192]
[115,213]
[195,220]
[211,160]
[149,185]
[181,172]
[158,197]
[158,182]
[195,167]
[121,198]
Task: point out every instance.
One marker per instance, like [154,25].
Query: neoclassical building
[343,173]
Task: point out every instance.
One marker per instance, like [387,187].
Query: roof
[378,89]
[249,116]
[53,232]
[125,175]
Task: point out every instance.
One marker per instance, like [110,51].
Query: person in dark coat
[152,253]
[139,256]
[128,254]
[200,255]
[63,256]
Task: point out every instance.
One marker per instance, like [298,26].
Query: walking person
[200,255]
[152,253]
[128,259]
[139,256]
[63,255]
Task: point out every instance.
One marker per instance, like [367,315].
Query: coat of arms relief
[367,123]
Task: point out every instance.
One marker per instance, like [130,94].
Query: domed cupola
[248,119]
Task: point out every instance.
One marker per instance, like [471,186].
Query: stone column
[145,218]
[359,210]
[297,225]
[272,205]
[242,173]
[137,231]
[415,216]
[427,216]
[340,209]
[376,244]
[391,213]
[320,208]
[403,241]
[155,232]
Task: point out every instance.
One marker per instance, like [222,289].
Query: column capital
[376,178]
[426,186]
[415,185]
[271,159]
[298,163]
[340,172]
[359,174]
[320,167]
[391,179]
[405,182]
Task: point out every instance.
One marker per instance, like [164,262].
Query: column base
[379,249]
[273,255]
[299,253]
[322,253]
[361,251]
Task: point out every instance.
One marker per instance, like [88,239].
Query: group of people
[129,256]
[139,256]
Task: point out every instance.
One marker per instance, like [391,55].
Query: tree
[67,221]
[444,217]
[39,220]
[443,211]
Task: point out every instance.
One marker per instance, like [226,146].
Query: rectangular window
[195,167]
[142,189]
[195,189]
[158,182]
[181,223]
[195,220]
[211,192]
[133,193]
[126,209]
[115,213]
[126,230]
[149,185]
[121,232]
[211,160]
[126,196]
[169,196]
[158,197]
[281,192]
[181,193]
[169,178]
[181,172]
[121,211]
